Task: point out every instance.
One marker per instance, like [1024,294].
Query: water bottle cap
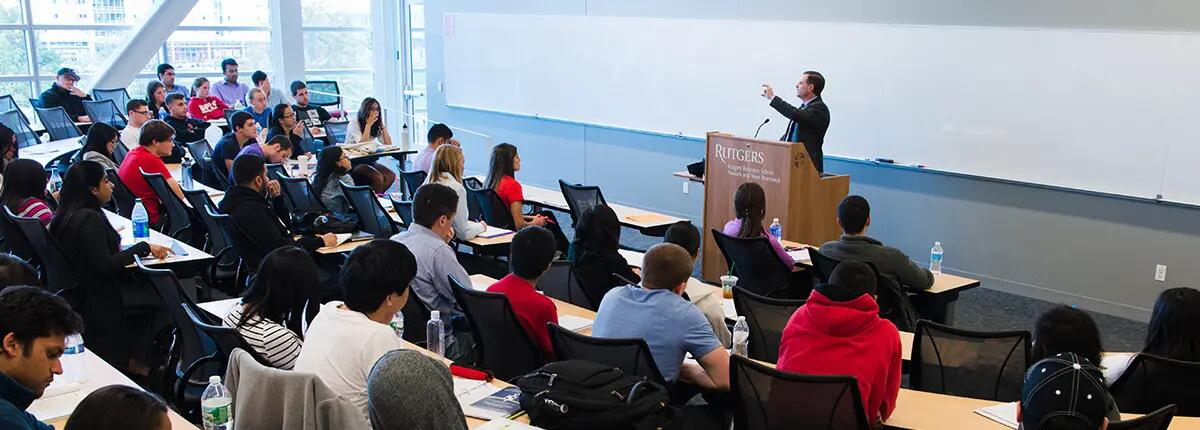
[775,220]
[435,315]
[741,319]
[214,379]
[937,244]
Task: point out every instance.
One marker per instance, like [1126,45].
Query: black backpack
[581,394]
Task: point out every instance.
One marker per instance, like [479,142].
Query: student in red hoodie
[838,331]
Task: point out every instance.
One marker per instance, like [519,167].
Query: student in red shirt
[504,165]
[156,141]
[838,331]
[530,254]
[203,106]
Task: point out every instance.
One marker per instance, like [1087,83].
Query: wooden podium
[804,201]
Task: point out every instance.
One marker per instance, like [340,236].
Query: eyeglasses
[142,112]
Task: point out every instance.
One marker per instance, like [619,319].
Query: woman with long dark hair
[750,207]
[504,165]
[93,247]
[120,407]
[272,313]
[99,145]
[283,123]
[1066,329]
[333,173]
[24,190]
[594,254]
[1174,330]
[364,135]
[156,99]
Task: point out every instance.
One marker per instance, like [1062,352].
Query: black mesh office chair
[371,216]
[335,131]
[217,179]
[118,96]
[1152,382]
[767,318]
[179,216]
[412,181]
[36,102]
[580,198]
[229,117]
[223,274]
[58,275]
[15,120]
[119,152]
[299,196]
[324,93]
[1157,420]
[822,264]
[403,209]
[501,344]
[14,242]
[770,399]
[7,103]
[251,253]
[58,125]
[105,111]
[559,282]
[473,211]
[201,153]
[981,365]
[224,338]
[416,315]
[632,356]
[894,304]
[758,267]
[491,208]
[122,199]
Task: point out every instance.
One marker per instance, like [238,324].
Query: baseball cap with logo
[1064,391]
[68,72]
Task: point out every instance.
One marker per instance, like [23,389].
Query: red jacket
[825,337]
[207,109]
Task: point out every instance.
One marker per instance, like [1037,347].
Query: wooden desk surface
[125,229]
[101,374]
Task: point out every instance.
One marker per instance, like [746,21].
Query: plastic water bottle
[935,258]
[404,136]
[776,229]
[186,171]
[74,366]
[741,337]
[216,406]
[141,221]
[433,334]
[55,181]
[398,324]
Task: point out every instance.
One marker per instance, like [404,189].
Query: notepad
[1004,413]
[574,323]
[494,232]
[342,238]
[178,249]
[799,255]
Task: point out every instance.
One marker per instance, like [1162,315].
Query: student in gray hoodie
[854,216]
[407,390]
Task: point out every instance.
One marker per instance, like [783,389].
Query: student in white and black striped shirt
[286,282]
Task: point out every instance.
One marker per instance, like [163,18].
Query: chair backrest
[276,171]
[403,208]
[754,261]
[36,102]
[371,216]
[580,198]
[15,119]
[199,149]
[58,124]
[823,264]
[319,93]
[473,211]
[335,131]
[105,111]
[501,344]
[631,355]
[195,348]
[179,218]
[1152,382]
[243,247]
[118,96]
[412,181]
[298,195]
[767,318]
[559,282]
[7,102]
[894,304]
[416,314]
[217,179]
[122,198]
[491,208]
[13,241]
[229,117]
[308,143]
[769,399]
[981,365]
[225,339]
[203,205]
[119,152]
[1157,420]
[59,274]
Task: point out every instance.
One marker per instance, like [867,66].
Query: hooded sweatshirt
[259,225]
[826,337]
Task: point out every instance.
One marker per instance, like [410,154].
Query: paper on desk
[1004,413]
[493,231]
[52,408]
[648,218]
[799,255]
[506,424]
[342,238]
[574,323]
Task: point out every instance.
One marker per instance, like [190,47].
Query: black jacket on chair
[257,221]
[808,125]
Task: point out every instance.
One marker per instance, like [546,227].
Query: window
[416,58]
[337,46]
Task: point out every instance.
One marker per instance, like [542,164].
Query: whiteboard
[1104,111]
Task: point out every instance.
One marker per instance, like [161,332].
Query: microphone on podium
[760,126]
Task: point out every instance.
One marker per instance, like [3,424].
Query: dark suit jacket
[808,125]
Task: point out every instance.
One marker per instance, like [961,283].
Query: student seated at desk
[438,135]
[156,100]
[1067,329]
[273,151]
[594,257]
[187,130]
[283,123]
[99,145]
[1174,329]
[505,164]
[246,204]
[447,169]
[24,190]
[670,325]
[530,254]
[312,116]
[155,143]
[15,271]
[333,172]
[409,391]
[364,134]
[33,328]
[93,247]
[838,331]
[428,237]
[243,133]
[204,106]
[1065,391]
[854,215]
[258,108]
[346,338]
[66,94]
[271,315]
[138,112]
[708,299]
[120,407]
[750,206]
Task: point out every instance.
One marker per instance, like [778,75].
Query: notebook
[574,323]
[494,232]
[799,255]
[1004,413]
[499,404]
[58,401]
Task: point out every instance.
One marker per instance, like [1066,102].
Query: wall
[1057,245]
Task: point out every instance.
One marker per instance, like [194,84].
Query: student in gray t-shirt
[672,326]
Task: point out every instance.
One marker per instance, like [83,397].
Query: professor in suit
[810,120]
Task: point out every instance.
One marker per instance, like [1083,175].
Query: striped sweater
[270,340]
[34,207]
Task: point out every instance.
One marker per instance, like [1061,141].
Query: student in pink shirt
[750,207]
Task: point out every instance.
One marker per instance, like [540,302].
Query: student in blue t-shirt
[671,325]
[258,108]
